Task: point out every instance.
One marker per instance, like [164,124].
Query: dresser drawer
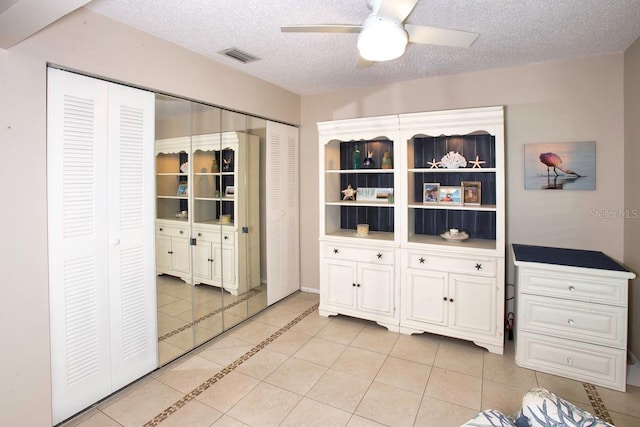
[172,231]
[584,362]
[580,321]
[470,265]
[577,287]
[364,254]
[215,236]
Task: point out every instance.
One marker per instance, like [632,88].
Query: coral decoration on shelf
[453,160]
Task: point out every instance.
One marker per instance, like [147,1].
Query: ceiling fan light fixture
[381,40]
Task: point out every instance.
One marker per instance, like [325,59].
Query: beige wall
[632,177]
[92,44]
[579,100]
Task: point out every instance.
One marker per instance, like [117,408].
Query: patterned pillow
[490,418]
[541,408]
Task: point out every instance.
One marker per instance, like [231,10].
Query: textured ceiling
[512,32]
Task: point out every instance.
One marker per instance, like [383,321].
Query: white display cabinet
[208,202]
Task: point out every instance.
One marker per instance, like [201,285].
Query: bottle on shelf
[214,166]
[387,162]
[357,158]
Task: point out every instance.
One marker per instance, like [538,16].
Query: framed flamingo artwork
[560,166]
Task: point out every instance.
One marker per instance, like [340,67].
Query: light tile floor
[336,371]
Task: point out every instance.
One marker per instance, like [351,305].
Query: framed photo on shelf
[430,192]
[229,191]
[451,195]
[183,189]
[471,191]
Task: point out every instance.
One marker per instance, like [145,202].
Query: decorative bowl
[184,168]
[460,236]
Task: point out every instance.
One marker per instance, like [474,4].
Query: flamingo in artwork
[552,160]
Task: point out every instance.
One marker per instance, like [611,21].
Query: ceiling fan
[384,36]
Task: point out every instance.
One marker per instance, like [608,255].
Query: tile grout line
[226,370]
[597,403]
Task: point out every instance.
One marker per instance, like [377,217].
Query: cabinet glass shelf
[444,170]
[470,243]
[455,207]
[373,235]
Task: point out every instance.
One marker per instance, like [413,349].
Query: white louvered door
[101,240]
[283,214]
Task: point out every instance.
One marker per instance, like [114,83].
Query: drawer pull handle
[161,229]
[569,361]
[199,234]
[379,255]
[478,266]
[226,237]
[181,232]
[572,288]
[570,321]
[422,260]
[336,250]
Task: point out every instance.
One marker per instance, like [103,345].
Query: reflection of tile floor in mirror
[288,366]
[179,318]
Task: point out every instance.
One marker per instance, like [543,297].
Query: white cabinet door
[163,252]
[224,264]
[180,254]
[425,299]
[202,261]
[341,278]
[101,238]
[375,287]
[283,215]
[474,304]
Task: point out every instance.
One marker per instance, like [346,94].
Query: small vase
[387,163]
[357,158]
[214,166]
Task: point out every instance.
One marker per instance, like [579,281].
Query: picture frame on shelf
[430,192]
[472,191]
[183,189]
[229,191]
[450,195]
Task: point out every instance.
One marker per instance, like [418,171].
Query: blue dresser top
[566,257]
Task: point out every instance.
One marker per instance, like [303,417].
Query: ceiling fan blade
[321,28]
[364,63]
[396,10]
[439,36]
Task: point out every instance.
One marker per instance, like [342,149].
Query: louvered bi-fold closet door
[283,216]
[101,279]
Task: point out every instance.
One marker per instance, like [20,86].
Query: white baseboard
[310,290]
[633,371]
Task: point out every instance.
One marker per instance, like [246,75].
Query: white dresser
[571,314]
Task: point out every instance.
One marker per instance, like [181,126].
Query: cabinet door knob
[379,255]
[450,299]
[570,321]
[199,234]
[569,361]
[478,266]
[353,284]
[358,285]
[161,229]
[335,250]
[226,237]
[181,232]
[444,298]
[572,288]
[170,252]
[422,260]
[115,242]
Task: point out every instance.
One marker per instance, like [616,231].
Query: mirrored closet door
[208,234]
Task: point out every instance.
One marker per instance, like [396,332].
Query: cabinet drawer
[226,237]
[371,255]
[571,286]
[581,321]
[172,231]
[584,362]
[471,265]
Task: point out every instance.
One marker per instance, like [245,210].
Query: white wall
[579,100]
[632,177]
[90,43]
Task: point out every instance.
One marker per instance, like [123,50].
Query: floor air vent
[239,55]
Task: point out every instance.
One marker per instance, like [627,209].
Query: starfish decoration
[476,163]
[349,193]
[434,164]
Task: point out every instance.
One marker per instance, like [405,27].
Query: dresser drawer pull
[379,255]
[422,260]
[336,250]
[181,232]
[478,266]
[569,361]
[199,234]
[570,321]
[572,288]
[161,229]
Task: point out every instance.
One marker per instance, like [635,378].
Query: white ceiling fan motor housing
[382,39]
